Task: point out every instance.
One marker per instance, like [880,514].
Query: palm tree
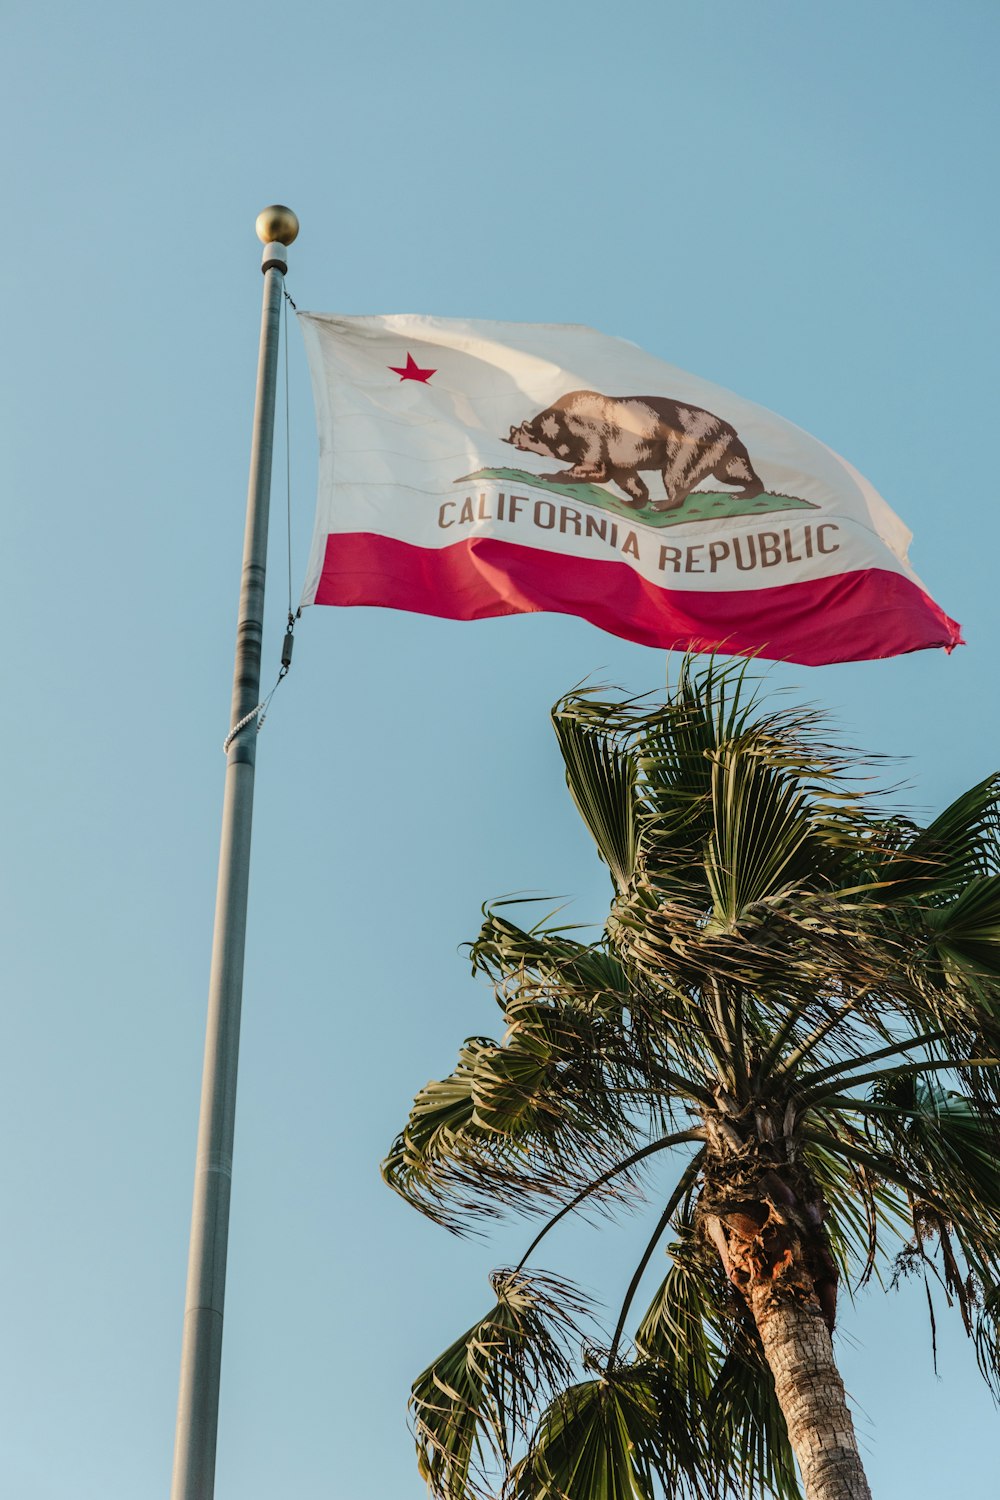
[787,1035]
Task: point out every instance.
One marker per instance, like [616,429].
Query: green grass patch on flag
[703,505]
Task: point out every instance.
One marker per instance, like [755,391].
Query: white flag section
[470,469]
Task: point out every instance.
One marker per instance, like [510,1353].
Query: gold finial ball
[277,225]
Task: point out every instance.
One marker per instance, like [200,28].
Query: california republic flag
[471,469]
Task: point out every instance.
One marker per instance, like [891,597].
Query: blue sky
[792,200]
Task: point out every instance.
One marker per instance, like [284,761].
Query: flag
[471,469]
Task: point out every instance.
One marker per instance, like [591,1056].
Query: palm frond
[681,1329]
[611,1438]
[943,1151]
[541,1113]
[675,745]
[866,1214]
[964,934]
[951,1148]
[961,844]
[761,819]
[986,1336]
[641,1034]
[601,776]
[549,961]
[477,1399]
[441,1121]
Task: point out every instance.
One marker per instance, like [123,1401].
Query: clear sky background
[794,200]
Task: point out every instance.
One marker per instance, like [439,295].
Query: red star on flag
[411,370]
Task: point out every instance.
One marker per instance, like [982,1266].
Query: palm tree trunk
[810,1392]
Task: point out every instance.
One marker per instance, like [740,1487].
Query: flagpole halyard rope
[288,458]
[241,725]
[262,707]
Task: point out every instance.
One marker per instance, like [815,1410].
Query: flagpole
[201,1351]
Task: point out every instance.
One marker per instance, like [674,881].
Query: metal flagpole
[201,1352]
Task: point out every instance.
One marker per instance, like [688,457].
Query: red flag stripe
[858,616]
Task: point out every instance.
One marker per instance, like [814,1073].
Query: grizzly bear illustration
[610,439]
